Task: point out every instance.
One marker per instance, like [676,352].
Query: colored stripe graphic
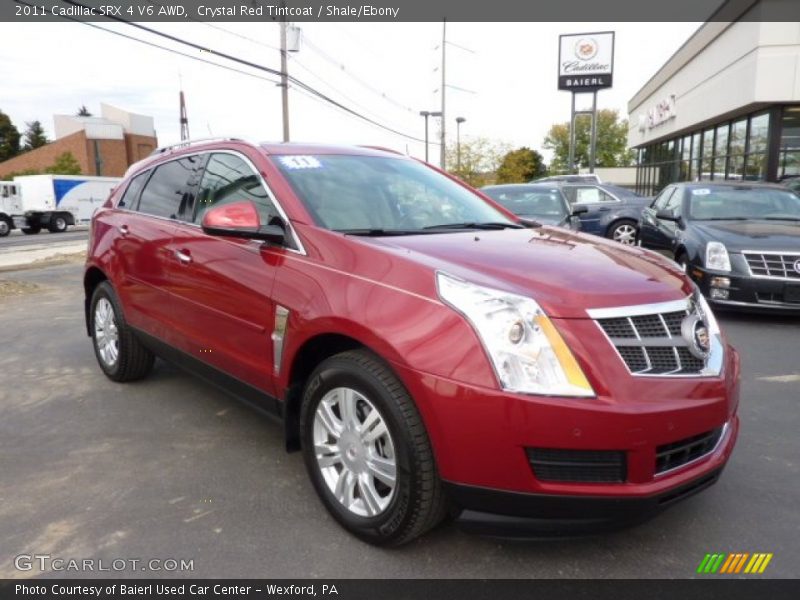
[733,563]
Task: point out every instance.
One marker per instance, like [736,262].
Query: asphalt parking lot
[171,468]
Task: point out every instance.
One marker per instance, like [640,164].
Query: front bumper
[746,292]
[482,437]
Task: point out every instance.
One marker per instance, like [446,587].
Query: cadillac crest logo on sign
[585,61]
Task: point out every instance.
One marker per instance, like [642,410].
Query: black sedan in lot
[540,202]
[740,242]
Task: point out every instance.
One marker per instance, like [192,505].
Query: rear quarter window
[131,194]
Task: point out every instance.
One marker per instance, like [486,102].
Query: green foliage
[9,138]
[612,142]
[480,158]
[12,174]
[34,136]
[520,166]
[66,164]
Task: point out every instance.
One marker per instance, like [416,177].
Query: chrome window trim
[290,228]
[723,434]
[779,253]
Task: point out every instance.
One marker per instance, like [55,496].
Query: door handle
[123,229]
[183,256]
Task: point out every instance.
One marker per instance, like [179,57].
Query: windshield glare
[351,192]
[746,203]
[546,204]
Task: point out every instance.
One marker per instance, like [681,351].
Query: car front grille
[652,344]
[774,298]
[773,264]
[578,466]
[677,454]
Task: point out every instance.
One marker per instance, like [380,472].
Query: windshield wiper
[379,232]
[780,218]
[473,225]
[724,219]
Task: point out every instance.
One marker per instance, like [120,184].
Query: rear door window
[169,192]
[131,195]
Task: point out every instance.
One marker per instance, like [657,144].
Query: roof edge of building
[721,19]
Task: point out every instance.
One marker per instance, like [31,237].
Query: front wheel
[367,452]
[6,225]
[623,232]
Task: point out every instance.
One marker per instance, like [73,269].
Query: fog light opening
[720,282]
[718,294]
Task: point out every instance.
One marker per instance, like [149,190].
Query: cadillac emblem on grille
[695,332]
[797,266]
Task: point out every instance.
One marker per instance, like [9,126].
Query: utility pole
[284,77]
[184,119]
[443,139]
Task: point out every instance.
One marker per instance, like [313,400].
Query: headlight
[526,350]
[717,257]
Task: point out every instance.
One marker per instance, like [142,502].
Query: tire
[119,353]
[6,225]
[624,232]
[31,230]
[58,224]
[370,508]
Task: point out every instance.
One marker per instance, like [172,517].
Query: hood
[752,234]
[565,272]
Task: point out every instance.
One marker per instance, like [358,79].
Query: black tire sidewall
[104,290]
[9,226]
[385,527]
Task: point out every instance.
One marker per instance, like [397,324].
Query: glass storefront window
[707,165]
[738,136]
[759,133]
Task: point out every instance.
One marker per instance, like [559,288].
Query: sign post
[585,64]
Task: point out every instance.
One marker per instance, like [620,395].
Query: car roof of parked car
[731,183]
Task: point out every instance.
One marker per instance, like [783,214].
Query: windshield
[708,204]
[541,203]
[381,194]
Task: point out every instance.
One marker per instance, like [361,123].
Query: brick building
[105,145]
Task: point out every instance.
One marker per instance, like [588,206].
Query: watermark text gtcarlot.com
[47,562]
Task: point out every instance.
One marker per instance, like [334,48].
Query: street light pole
[443,149]
[459,121]
[284,79]
[426,114]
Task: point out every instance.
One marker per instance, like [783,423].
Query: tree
[65,164]
[520,166]
[480,158]
[34,136]
[612,142]
[83,112]
[9,138]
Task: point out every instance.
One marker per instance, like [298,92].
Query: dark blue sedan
[611,211]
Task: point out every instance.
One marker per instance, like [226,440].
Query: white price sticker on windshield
[300,162]
[701,192]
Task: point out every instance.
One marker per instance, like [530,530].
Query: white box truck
[53,202]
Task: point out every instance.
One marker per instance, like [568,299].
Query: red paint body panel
[381,292]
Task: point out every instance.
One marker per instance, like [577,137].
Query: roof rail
[187,143]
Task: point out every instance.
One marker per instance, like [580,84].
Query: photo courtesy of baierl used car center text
[325,298]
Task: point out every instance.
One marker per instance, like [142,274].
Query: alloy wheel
[355,452]
[625,234]
[106,334]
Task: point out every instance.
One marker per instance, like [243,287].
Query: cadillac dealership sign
[585,61]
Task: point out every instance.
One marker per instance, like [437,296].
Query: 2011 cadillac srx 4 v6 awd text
[429,355]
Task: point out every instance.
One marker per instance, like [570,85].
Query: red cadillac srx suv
[428,354]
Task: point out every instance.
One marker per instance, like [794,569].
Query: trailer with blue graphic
[55,202]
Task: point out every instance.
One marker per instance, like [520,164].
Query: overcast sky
[384,70]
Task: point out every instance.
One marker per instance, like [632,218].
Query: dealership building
[725,106]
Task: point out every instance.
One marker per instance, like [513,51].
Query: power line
[253,65]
